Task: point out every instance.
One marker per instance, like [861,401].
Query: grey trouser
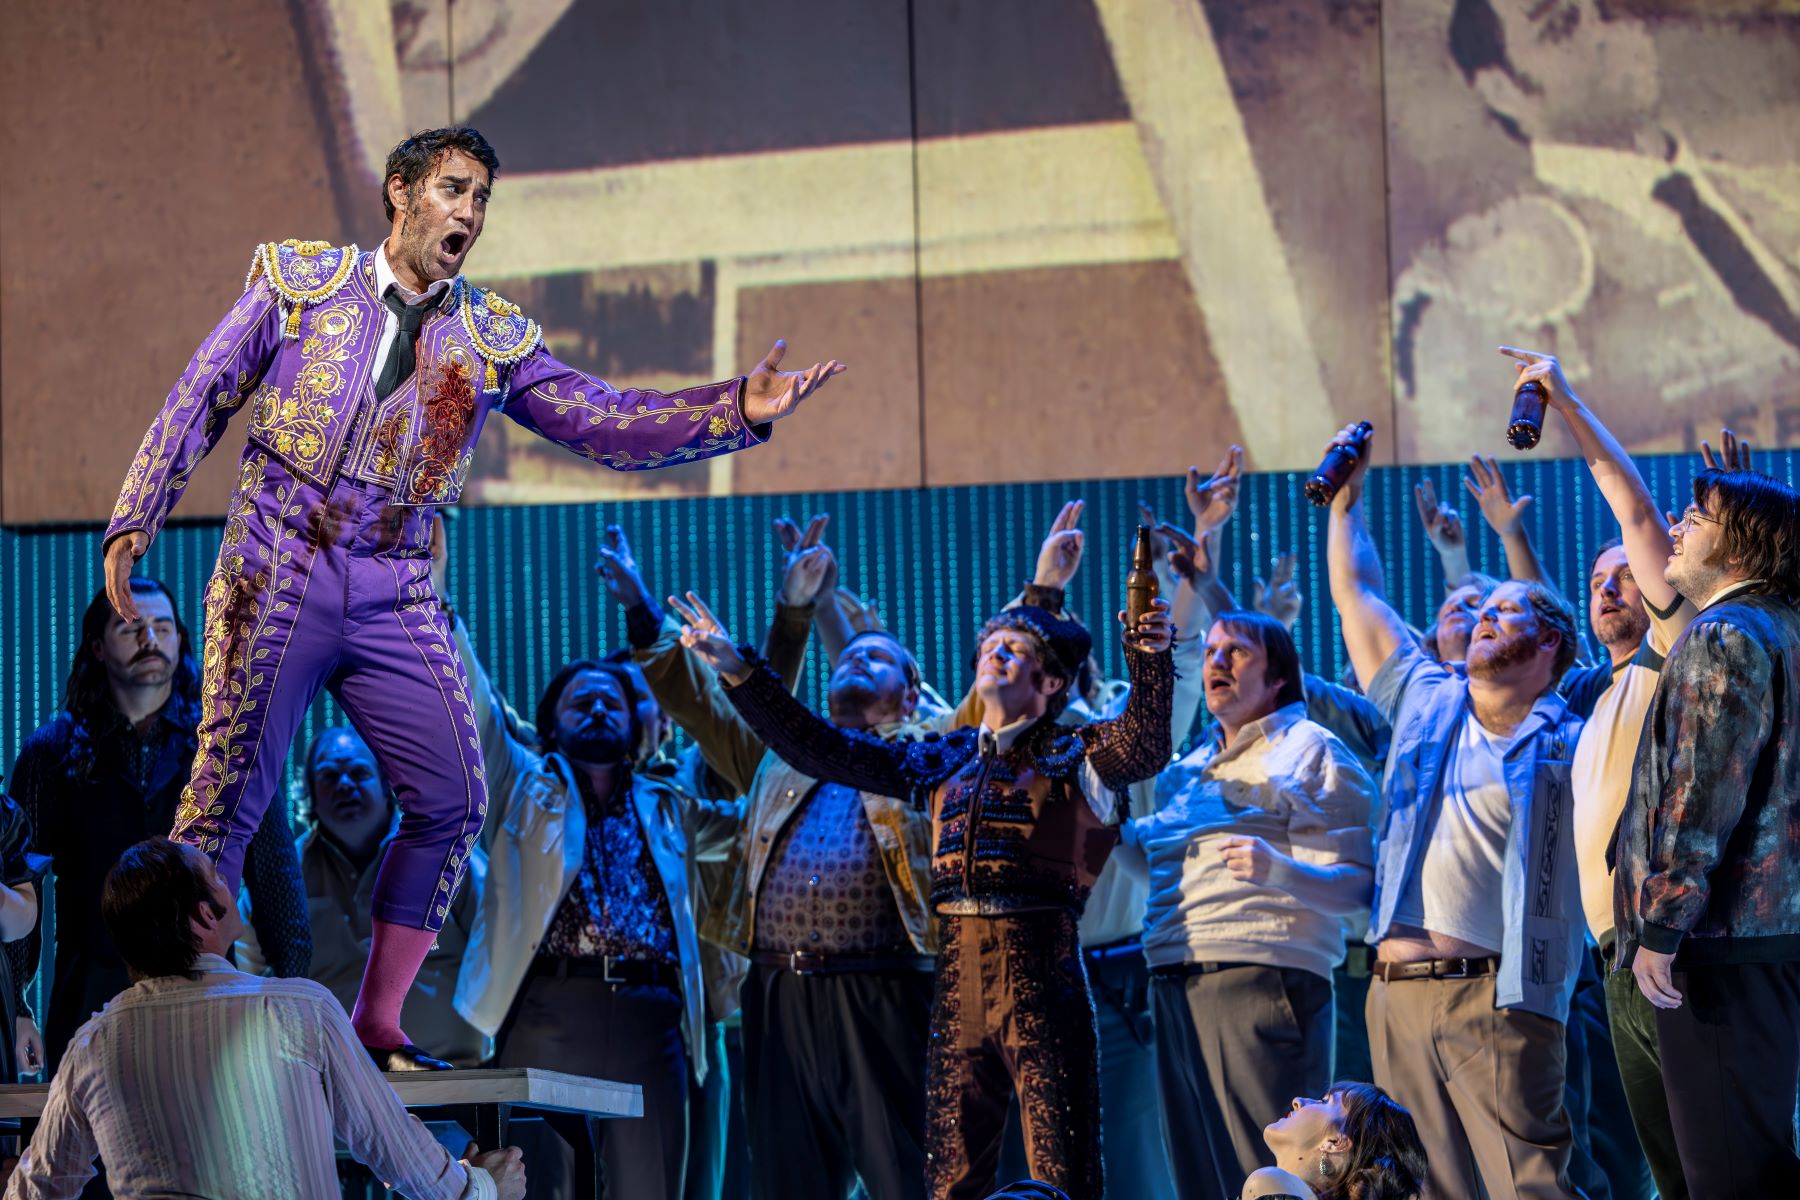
[1233,1048]
[1484,1085]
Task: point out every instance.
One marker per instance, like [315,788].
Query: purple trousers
[331,588]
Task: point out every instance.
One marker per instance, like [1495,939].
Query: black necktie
[399,365]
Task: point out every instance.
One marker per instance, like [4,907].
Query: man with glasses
[1707,899]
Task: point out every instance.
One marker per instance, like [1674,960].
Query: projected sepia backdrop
[1054,238]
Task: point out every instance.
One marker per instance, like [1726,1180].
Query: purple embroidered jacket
[299,349]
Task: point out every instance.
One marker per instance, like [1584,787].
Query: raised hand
[704,634]
[1504,515]
[1060,555]
[1279,597]
[1154,633]
[1193,559]
[1212,501]
[1443,524]
[1733,453]
[121,556]
[771,394]
[809,570]
[618,569]
[1543,370]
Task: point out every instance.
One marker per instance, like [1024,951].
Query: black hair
[559,683]
[1602,548]
[1759,526]
[419,155]
[148,904]
[86,694]
[1278,647]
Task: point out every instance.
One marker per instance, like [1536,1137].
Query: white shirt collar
[1005,736]
[1726,592]
[384,277]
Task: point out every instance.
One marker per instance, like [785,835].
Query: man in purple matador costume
[367,376]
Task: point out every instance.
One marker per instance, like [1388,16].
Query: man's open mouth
[454,244]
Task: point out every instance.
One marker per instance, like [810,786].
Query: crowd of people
[1486,917]
[965,937]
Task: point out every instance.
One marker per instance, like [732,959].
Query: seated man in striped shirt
[200,1080]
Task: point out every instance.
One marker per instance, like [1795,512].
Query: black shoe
[406,1058]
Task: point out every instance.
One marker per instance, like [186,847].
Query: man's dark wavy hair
[559,683]
[418,156]
[86,694]
[1282,657]
[1759,525]
[148,903]
[1386,1160]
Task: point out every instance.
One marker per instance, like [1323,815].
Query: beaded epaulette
[302,273]
[501,333]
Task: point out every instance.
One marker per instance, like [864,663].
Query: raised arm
[1505,516]
[1642,526]
[638,429]
[793,732]
[1372,629]
[1444,530]
[680,680]
[219,378]
[1137,743]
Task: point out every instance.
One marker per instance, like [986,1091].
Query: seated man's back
[202,1081]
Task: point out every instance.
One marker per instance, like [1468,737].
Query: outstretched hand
[1193,559]
[1060,555]
[1733,453]
[704,634]
[1279,597]
[1504,515]
[1212,501]
[771,394]
[1443,524]
[809,570]
[618,569]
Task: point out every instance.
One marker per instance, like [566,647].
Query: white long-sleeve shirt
[1283,779]
[228,1087]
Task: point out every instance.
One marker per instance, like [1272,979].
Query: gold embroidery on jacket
[298,427]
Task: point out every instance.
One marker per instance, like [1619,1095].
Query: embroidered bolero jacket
[298,350]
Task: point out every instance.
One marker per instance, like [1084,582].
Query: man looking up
[1477,911]
[1023,814]
[1707,900]
[1258,847]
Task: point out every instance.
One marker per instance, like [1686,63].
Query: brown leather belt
[806,962]
[1435,968]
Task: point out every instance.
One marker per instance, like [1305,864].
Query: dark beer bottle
[1527,424]
[1140,584]
[1339,462]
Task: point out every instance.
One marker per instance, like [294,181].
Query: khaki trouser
[1484,1084]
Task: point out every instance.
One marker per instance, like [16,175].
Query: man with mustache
[1476,917]
[1258,848]
[368,377]
[102,775]
[584,954]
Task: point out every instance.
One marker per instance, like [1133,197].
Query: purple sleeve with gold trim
[222,373]
[629,430]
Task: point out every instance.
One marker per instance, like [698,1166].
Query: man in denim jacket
[1477,918]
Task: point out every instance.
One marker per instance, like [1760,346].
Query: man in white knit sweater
[1260,845]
